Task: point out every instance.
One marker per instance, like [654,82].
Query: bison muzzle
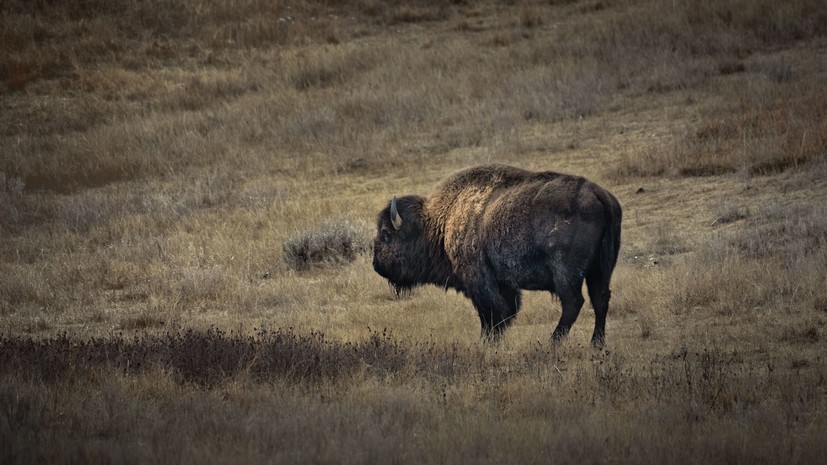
[493,230]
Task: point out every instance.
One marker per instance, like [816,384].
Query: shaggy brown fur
[493,230]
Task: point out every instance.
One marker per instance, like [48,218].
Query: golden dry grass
[156,157]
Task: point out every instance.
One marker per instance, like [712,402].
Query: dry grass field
[188,191]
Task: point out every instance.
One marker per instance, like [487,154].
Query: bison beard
[493,230]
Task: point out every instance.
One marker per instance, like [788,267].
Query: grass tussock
[331,243]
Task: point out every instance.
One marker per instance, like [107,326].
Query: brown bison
[493,230]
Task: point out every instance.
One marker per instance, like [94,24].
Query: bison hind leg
[571,299]
[599,295]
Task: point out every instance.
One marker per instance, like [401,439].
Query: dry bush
[333,242]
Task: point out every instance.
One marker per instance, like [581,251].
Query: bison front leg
[496,308]
[490,330]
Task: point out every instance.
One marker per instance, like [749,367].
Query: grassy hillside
[176,178]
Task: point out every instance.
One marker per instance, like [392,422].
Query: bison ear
[396,220]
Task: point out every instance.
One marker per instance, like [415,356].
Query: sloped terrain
[188,191]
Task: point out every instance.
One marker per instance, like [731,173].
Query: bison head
[402,251]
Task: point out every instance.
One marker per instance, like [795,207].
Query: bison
[493,230]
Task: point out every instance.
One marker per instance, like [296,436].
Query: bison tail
[610,243]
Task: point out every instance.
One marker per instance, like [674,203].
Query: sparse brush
[333,242]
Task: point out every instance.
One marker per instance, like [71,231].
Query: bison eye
[385,236]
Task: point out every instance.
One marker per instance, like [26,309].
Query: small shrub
[331,243]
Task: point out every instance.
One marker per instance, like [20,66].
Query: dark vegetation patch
[210,357]
[717,382]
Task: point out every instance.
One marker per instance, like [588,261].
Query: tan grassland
[159,159]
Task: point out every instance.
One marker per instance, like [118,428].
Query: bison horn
[396,220]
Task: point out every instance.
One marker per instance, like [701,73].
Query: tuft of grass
[333,242]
